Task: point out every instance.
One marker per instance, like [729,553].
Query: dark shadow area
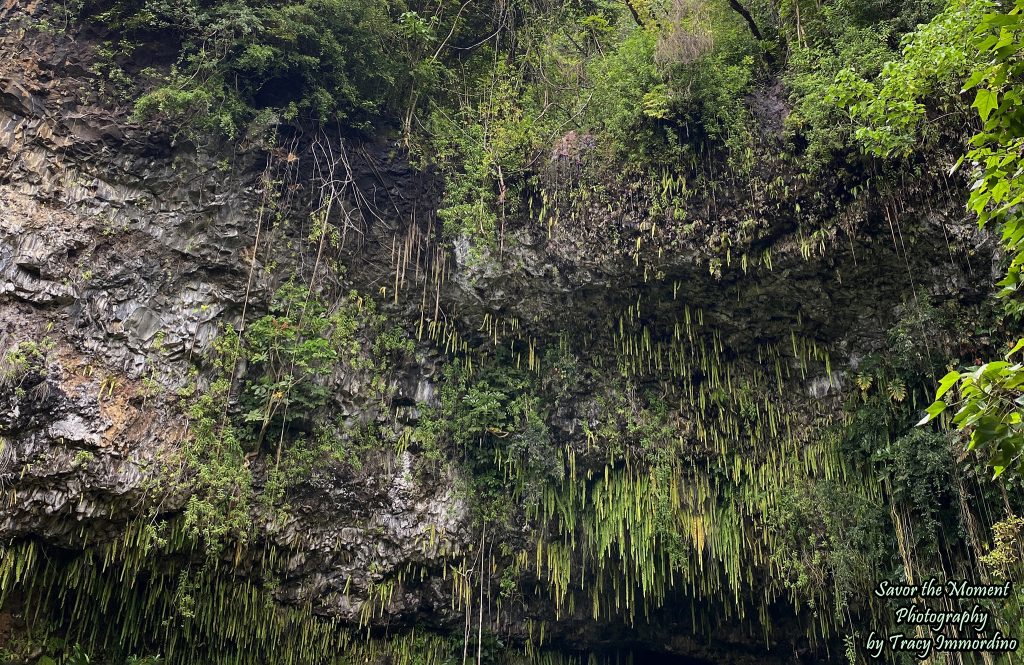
[657,658]
[642,657]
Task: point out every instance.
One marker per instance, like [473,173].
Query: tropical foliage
[607,474]
[974,48]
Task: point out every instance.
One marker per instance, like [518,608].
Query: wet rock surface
[123,250]
[125,253]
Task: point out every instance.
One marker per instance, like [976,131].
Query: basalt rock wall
[116,237]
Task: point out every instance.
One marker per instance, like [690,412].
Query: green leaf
[1017,347]
[948,382]
[933,412]
[956,166]
[987,43]
[986,101]
[977,77]
[990,428]
[999,20]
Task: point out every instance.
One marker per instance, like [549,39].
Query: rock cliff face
[111,237]
[124,250]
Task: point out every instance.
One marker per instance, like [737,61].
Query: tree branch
[742,11]
[632,10]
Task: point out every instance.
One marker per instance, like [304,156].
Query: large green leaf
[947,382]
[986,101]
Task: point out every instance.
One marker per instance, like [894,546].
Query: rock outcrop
[124,249]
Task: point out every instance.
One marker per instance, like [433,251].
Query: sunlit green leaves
[990,404]
[933,411]
[974,42]
[946,383]
[891,111]
[656,102]
[986,101]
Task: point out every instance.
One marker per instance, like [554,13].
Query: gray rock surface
[127,249]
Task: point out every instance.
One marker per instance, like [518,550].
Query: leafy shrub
[291,350]
[891,112]
[324,59]
[626,99]
[1007,552]
[919,468]
[23,359]
[218,509]
[830,540]
[496,423]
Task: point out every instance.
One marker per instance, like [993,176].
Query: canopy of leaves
[974,46]
[328,60]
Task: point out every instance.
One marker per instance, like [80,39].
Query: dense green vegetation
[482,92]
[691,474]
[969,48]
